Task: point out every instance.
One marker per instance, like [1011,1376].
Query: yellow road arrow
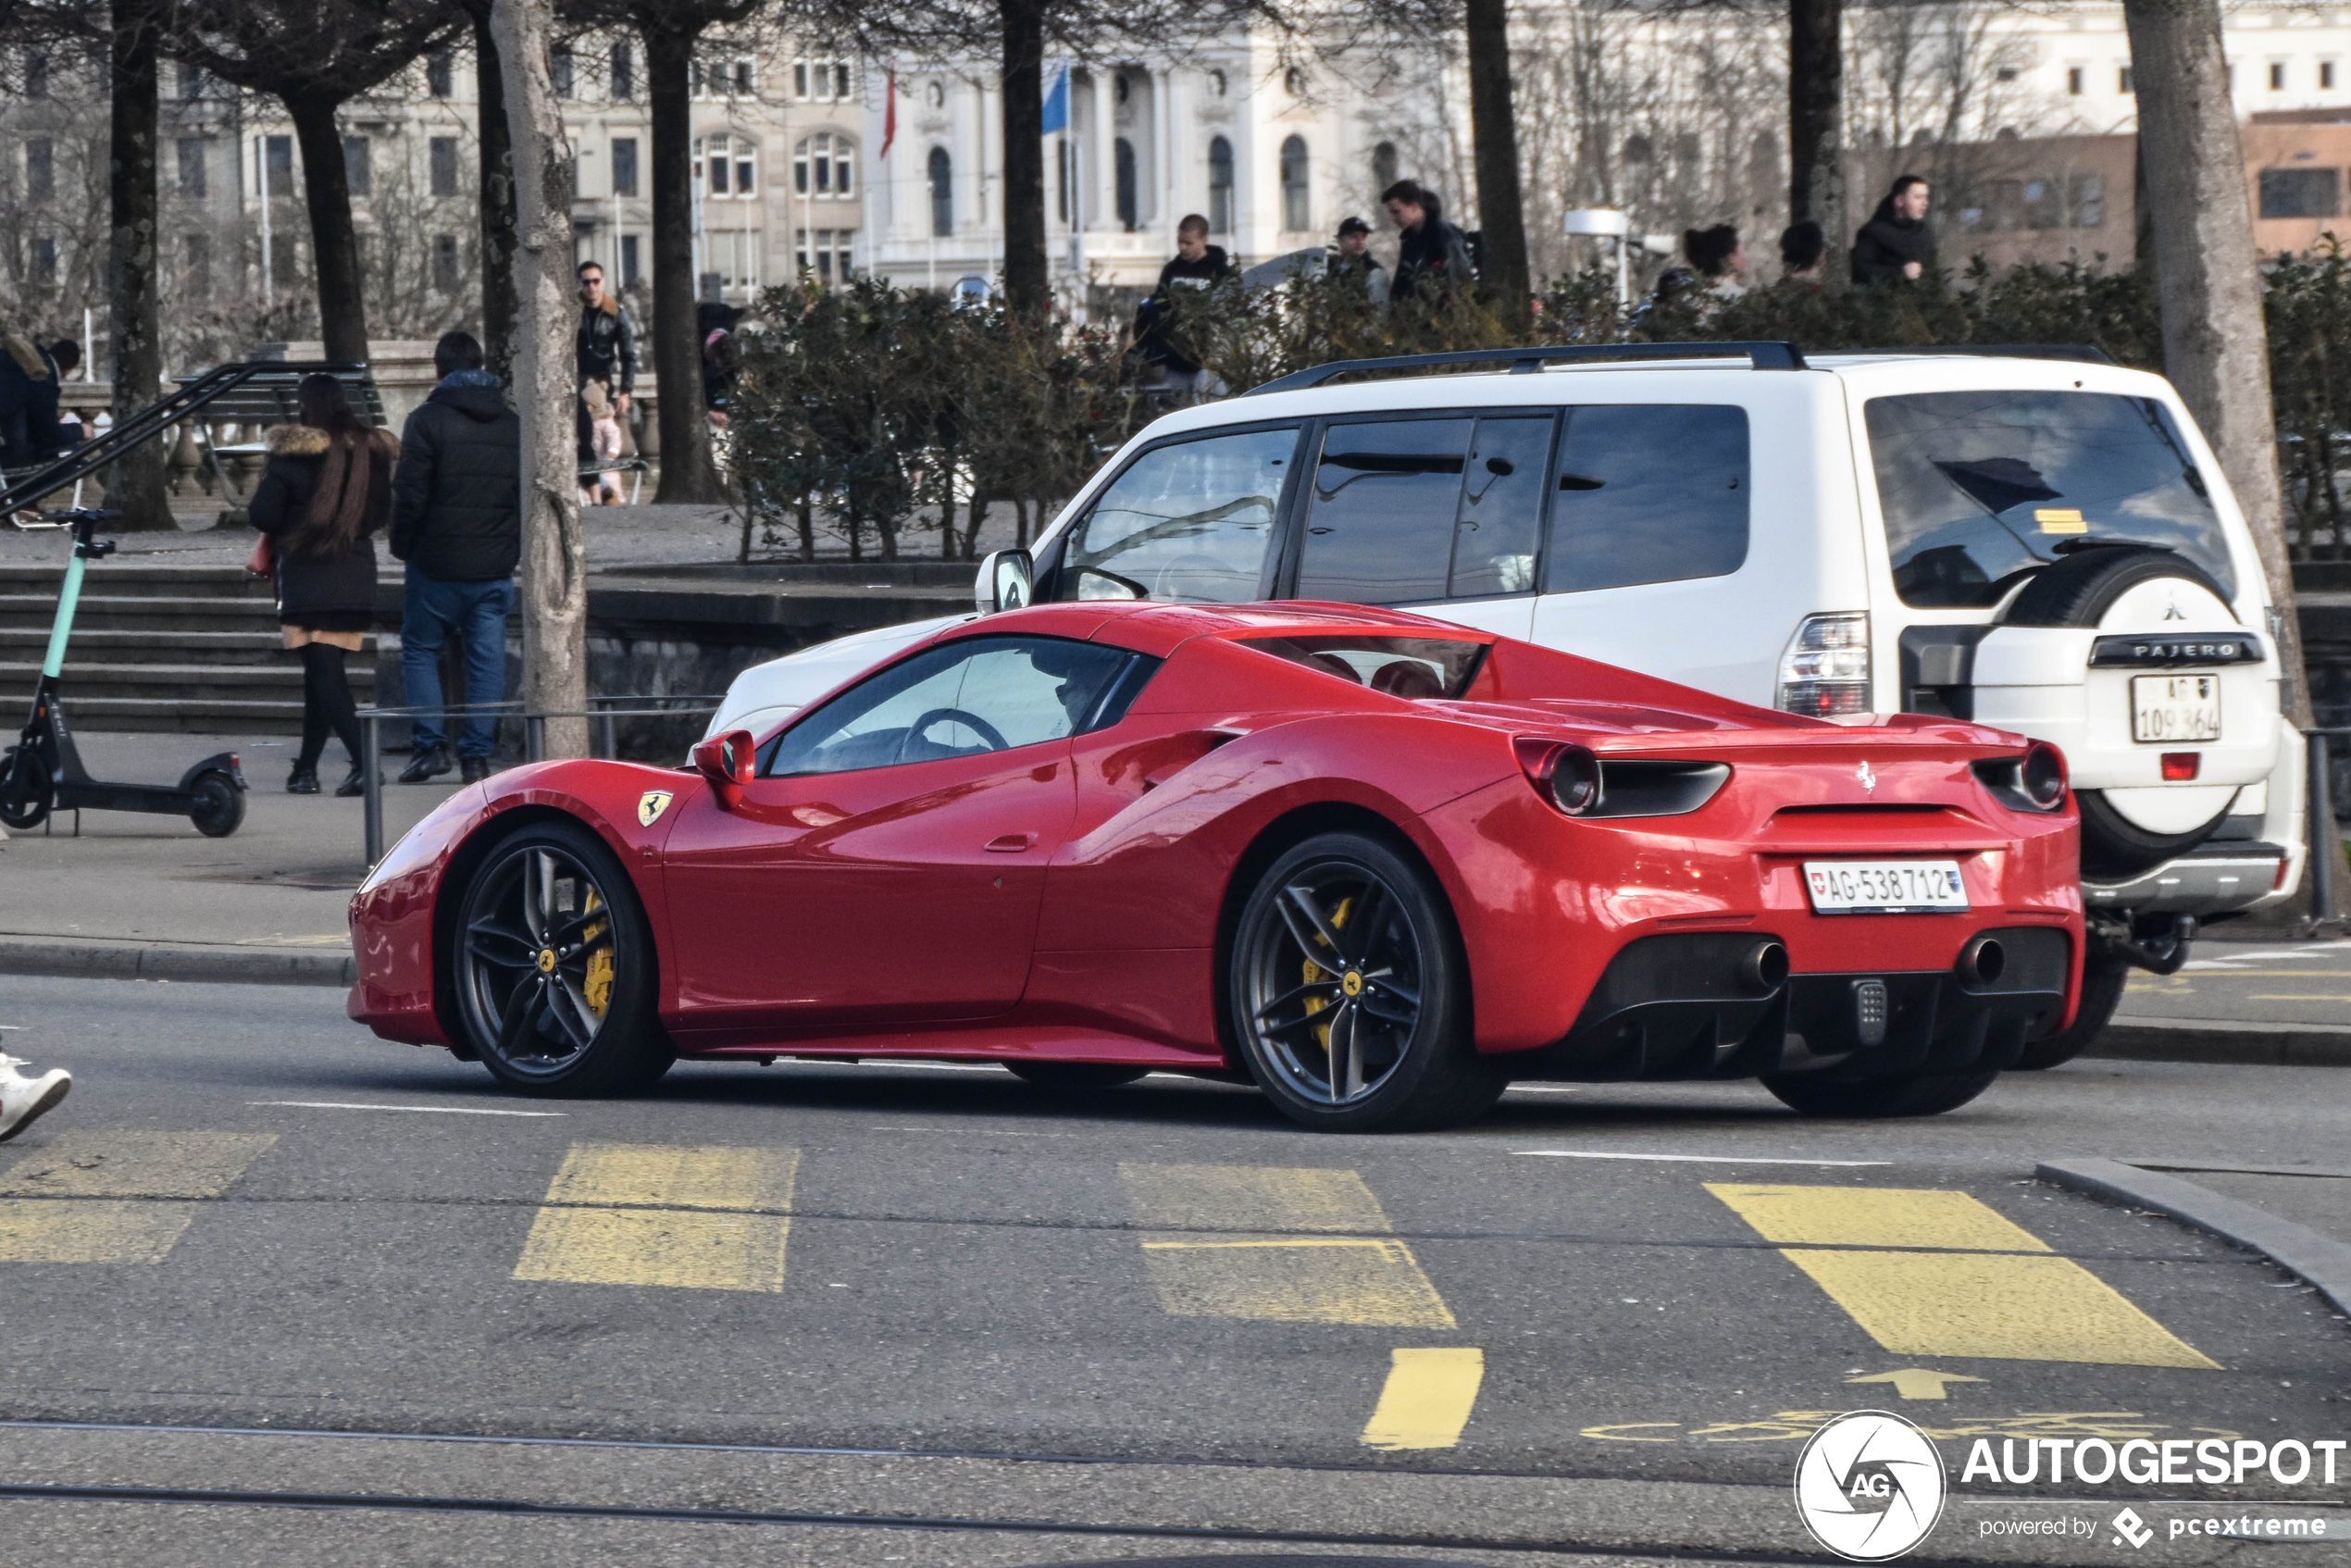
[1916,1382]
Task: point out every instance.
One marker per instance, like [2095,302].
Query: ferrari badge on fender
[651,804]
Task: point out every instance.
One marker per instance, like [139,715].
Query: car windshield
[1980,488]
[1401,666]
[1192,520]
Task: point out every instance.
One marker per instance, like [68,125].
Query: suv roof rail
[2087,354]
[1524,361]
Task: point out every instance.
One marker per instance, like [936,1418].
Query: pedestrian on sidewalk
[457,523]
[1199,267]
[26,1097]
[604,446]
[325,494]
[607,339]
[31,431]
[1895,245]
[1432,256]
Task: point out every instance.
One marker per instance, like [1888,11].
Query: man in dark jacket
[1431,256]
[1196,265]
[607,342]
[1353,260]
[31,431]
[456,521]
[1895,245]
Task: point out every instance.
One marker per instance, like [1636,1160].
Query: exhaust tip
[1983,960]
[1765,967]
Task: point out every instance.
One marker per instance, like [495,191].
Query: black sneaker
[356,784]
[303,781]
[427,764]
[473,770]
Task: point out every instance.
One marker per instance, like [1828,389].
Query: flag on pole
[890,113]
[1057,99]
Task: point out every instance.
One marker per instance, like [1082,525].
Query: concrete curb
[2225,1041]
[71,958]
[2319,1260]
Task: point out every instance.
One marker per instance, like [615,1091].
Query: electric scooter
[42,771]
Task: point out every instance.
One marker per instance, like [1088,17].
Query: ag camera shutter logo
[1870,1486]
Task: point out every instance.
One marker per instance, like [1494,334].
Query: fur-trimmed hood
[308,440]
[609,305]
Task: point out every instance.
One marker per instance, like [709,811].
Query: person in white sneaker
[25,1097]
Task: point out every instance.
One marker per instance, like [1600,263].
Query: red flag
[890,114]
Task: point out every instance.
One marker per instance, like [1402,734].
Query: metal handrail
[534,738]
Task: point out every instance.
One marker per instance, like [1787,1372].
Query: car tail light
[2181,767]
[1825,671]
[2043,777]
[2285,864]
[1567,775]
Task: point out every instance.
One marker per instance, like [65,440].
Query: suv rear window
[1980,488]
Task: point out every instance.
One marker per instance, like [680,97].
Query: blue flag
[1057,99]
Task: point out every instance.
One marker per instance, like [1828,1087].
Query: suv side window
[1193,520]
[1500,532]
[1380,529]
[1648,492]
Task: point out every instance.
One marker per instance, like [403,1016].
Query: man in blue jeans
[456,521]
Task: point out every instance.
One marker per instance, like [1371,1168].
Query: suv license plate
[2169,708]
[1883,887]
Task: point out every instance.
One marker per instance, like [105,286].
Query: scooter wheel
[221,805]
[25,788]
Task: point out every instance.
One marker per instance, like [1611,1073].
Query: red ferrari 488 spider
[1377,864]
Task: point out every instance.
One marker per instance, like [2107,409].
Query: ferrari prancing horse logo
[651,804]
[1869,779]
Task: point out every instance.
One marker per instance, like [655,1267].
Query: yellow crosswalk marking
[1267,1271]
[650,1214]
[93,1167]
[1428,1399]
[1968,1299]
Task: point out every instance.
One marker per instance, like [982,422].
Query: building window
[1385,165]
[40,168]
[1123,154]
[2089,201]
[36,74]
[1298,213]
[559,68]
[441,162]
[45,258]
[2301,193]
[444,263]
[629,269]
[1217,85]
[192,183]
[725,79]
[191,80]
[440,73]
[2122,80]
[2073,81]
[1220,185]
[730,164]
[357,167]
[830,261]
[1294,81]
[623,166]
[942,191]
[826,81]
[2277,76]
[2326,76]
[734,257]
[624,71]
[823,165]
[936,94]
[2004,73]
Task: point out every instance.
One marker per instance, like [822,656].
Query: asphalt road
[2301,983]
[261,1274]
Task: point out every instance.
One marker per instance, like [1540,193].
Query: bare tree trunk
[334,242]
[2216,345]
[1028,286]
[1494,128]
[1816,126]
[497,203]
[688,472]
[554,552]
[137,484]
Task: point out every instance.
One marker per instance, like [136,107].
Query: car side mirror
[730,762]
[1007,580]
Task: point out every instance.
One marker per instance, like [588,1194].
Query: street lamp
[1611,223]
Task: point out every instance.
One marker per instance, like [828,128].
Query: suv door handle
[1010,843]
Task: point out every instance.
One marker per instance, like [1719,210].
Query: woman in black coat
[324,495]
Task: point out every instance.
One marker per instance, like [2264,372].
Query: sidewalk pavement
[149,898]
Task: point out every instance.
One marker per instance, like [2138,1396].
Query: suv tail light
[1825,672]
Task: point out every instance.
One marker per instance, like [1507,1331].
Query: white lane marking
[1693,1158]
[431,1110]
[2312,950]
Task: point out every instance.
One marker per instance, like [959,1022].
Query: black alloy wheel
[553,968]
[2103,981]
[1346,992]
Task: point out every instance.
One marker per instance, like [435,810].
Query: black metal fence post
[371,747]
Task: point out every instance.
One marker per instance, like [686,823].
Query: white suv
[2034,539]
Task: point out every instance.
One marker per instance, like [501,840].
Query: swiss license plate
[2168,708]
[1883,887]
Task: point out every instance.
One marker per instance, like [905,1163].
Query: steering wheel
[1169,581]
[971,721]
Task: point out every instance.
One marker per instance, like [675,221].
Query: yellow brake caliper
[599,981]
[1316,972]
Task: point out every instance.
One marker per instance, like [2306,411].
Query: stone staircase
[159,647]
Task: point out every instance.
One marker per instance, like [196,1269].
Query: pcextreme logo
[1870,1486]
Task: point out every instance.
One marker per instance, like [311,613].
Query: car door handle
[1010,843]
